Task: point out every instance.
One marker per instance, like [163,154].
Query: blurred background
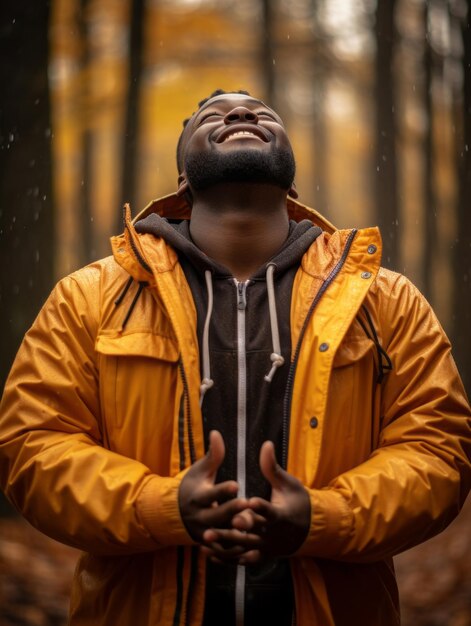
[376,96]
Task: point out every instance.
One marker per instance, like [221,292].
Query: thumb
[216,452]
[269,466]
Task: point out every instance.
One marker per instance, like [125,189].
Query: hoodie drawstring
[276,358]
[207,381]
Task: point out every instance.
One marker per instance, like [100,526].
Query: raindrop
[384,157]
[47,132]
[91,219]
[273,61]
[36,256]
[377,168]
[32,163]
[36,216]
[13,219]
[36,192]
[44,197]
[287,36]
[11,137]
[36,102]
[466,147]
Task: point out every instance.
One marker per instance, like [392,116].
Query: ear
[292,193]
[183,186]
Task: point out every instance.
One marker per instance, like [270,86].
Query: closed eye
[266,114]
[209,115]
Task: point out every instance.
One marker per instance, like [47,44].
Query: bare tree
[85,221]
[385,158]
[130,147]
[462,249]
[267,52]
[430,218]
[26,207]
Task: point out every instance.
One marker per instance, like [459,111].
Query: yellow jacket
[99,423]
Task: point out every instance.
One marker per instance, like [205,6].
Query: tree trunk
[85,221]
[268,53]
[320,73]
[26,207]
[430,212]
[385,171]
[462,249]
[130,147]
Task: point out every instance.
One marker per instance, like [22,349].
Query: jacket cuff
[331,524]
[158,509]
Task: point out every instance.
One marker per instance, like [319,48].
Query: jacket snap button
[313,422]
[365,274]
[324,347]
[372,249]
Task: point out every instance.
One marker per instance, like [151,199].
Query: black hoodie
[268,596]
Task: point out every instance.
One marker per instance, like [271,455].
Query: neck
[240,226]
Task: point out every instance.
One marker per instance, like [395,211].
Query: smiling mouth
[240,134]
[229,135]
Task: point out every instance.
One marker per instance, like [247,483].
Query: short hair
[217,92]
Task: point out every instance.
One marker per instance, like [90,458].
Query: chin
[206,169]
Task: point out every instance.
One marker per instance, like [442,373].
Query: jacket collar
[176,207]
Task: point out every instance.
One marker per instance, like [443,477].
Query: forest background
[376,97]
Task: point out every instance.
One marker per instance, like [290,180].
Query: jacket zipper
[241,432]
[185,413]
[137,254]
[292,370]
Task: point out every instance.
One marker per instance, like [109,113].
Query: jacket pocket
[137,344]
[352,390]
[138,378]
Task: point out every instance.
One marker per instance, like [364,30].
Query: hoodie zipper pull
[241,299]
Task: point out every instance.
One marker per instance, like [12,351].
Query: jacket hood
[300,237]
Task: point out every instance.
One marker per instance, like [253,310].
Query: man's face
[236,138]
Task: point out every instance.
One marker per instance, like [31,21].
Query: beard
[205,169]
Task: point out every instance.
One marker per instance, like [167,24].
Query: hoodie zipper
[241,432]
[292,370]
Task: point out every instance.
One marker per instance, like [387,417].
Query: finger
[270,468]
[216,451]
[230,538]
[264,509]
[223,553]
[220,493]
[251,557]
[249,520]
[221,516]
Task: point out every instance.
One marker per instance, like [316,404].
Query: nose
[240,114]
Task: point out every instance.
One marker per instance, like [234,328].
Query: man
[239,418]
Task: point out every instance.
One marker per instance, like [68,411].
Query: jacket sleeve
[53,465]
[415,482]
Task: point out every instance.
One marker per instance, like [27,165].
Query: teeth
[240,133]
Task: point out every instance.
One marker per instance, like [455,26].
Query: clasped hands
[240,530]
